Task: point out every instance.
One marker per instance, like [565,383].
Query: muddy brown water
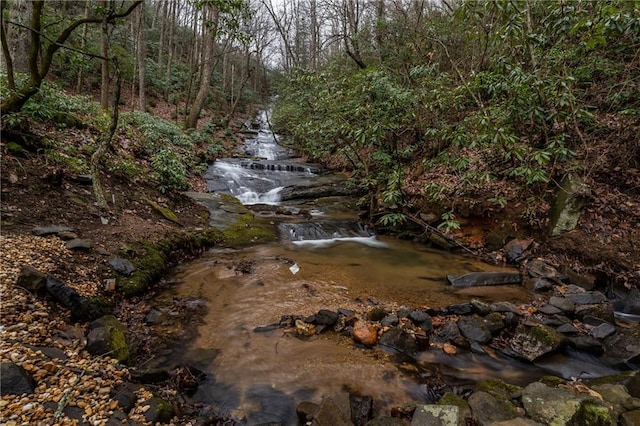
[252,373]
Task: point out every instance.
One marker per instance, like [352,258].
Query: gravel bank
[72,386]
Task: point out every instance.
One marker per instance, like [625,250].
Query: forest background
[462,116]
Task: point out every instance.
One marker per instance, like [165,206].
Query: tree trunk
[171,46]
[163,25]
[203,90]
[142,53]
[105,142]
[19,39]
[83,45]
[7,61]
[104,68]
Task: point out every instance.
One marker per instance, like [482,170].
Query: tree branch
[67,32]
[50,40]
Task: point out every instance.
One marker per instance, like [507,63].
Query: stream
[326,259]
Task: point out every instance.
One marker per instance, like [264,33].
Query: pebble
[29,321]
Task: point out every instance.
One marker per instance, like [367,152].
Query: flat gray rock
[436,415]
[122,266]
[478,279]
[42,231]
[79,244]
[550,405]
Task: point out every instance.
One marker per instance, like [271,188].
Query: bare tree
[41,54]
[211,15]
[141,56]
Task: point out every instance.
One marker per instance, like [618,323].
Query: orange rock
[365,333]
[450,349]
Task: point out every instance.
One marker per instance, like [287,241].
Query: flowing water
[326,262]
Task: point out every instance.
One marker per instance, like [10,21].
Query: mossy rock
[102,304]
[249,230]
[450,398]
[165,212]
[376,314]
[630,379]
[552,381]
[152,260]
[533,342]
[591,413]
[160,411]
[497,388]
[150,265]
[67,119]
[108,336]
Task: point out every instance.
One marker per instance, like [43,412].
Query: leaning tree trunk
[105,142]
[104,67]
[203,90]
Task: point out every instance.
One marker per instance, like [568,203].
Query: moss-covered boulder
[451,398]
[151,260]
[159,411]
[565,211]
[165,212]
[498,388]
[108,336]
[550,405]
[533,342]
[592,413]
[487,409]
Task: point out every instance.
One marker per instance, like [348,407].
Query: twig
[65,397]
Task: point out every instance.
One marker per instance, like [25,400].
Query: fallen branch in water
[429,228]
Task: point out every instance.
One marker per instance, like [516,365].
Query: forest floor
[36,191]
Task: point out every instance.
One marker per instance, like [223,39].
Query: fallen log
[478,279]
[81,308]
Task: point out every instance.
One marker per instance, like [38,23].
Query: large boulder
[533,342]
[108,336]
[436,415]
[488,409]
[551,406]
[474,329]
[566,208]
[398,339]
[14,380]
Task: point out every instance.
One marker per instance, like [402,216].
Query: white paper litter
[294,268]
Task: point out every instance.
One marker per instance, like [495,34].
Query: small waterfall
[253,181]
[259,179]
[327,232]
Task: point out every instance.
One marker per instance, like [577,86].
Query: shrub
[169,170]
